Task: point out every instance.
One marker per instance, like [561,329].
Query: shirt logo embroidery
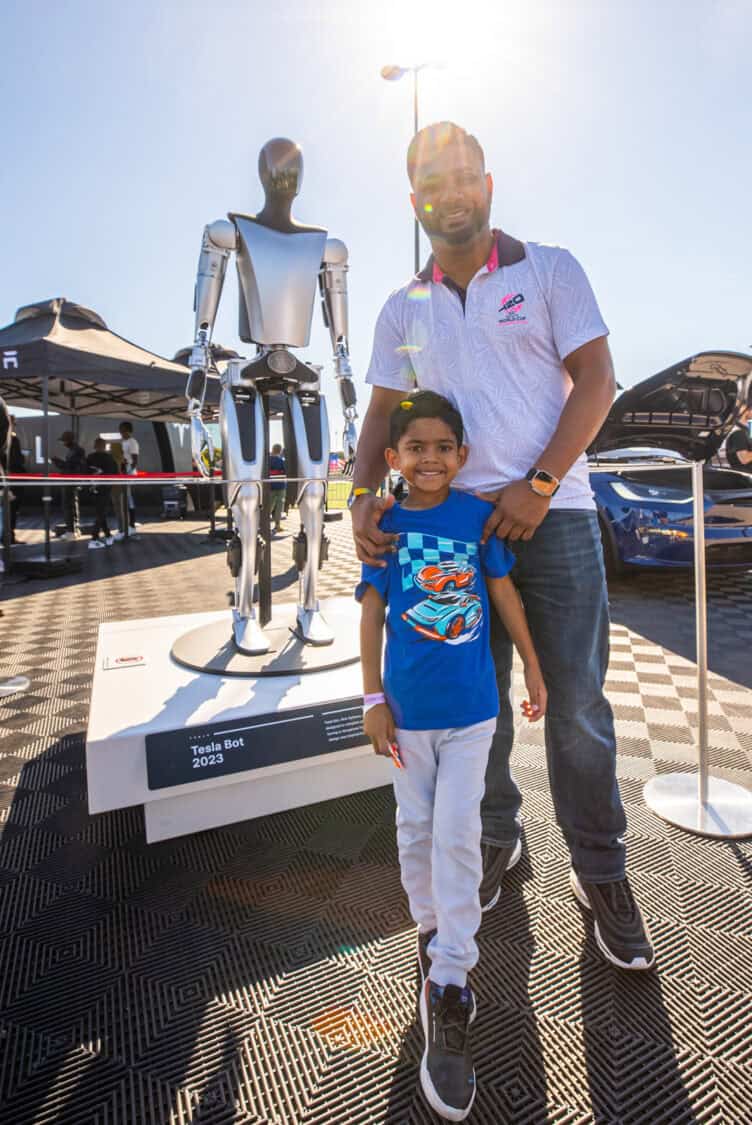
[511,309]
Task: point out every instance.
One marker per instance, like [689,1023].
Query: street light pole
[393,74]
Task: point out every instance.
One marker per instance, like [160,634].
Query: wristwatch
[542,483]
[356,492]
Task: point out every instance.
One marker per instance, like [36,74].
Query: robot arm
[219,240]
[333,285]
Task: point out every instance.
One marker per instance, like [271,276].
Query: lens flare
[419,293]
[407,349]
[428,208]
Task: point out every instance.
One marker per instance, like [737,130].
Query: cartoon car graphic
[446,617]
[446,577]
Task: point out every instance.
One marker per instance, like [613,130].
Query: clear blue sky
[620,130]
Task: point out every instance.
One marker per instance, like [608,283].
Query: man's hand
[370,541]
[378,724]
[518,513]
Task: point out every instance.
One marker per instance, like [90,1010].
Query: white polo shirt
[498,359]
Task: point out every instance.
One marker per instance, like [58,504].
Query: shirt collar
[504,252]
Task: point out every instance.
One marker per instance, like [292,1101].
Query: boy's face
[427,455]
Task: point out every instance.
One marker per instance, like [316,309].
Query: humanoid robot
[280,262]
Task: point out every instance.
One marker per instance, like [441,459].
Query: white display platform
[140,693]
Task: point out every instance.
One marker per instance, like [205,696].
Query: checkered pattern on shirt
[418,550]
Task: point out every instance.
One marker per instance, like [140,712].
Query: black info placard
[176,757]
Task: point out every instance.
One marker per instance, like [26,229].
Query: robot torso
[278,282]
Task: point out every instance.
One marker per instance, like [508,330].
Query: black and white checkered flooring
[265,973]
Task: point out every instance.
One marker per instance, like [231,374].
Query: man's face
[452,195]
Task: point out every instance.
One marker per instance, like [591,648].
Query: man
[15,466]
[510,332]
[100,461]
[73,464]
[278,488]
[131,451]
[739,443]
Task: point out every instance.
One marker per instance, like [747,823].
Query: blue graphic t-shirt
[438,671]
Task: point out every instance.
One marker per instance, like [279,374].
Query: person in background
[277,468]
[739,443]
[15,466]
[74,463]
[100,461]
[131,451]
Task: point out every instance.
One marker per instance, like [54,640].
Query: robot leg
[243,428]
[311,434]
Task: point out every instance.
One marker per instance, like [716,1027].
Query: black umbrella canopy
[90,370]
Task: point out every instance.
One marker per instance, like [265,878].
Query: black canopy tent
[86,368]
[59,356]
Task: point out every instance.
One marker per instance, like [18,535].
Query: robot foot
[248,635]
[312,628]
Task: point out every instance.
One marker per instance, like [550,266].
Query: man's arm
[370,469]
[519,511]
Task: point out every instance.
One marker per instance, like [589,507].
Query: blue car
[445,617]
[681,415]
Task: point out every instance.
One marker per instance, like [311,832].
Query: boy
[435,712]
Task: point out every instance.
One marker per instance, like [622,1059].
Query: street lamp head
[393,73]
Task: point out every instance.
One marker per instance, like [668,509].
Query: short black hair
[126,424]
[423,404]
[433,139]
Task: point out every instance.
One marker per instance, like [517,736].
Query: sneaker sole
[448,1112]
[514,860]
[637,964]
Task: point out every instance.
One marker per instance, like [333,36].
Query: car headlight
[638,494]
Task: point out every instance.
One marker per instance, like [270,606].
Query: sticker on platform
[110,662]
[178,757]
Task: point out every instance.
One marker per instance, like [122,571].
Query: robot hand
[202,446]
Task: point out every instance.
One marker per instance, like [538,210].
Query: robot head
[281,168]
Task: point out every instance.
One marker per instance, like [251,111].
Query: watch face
[542,482]
[544,487]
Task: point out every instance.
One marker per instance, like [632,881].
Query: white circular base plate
[210,648]
[13,684]
[726,815]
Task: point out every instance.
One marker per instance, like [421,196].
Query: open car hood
[688,408]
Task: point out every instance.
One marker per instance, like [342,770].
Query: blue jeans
[560,576]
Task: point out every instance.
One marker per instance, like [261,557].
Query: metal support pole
[265,531]
[6,526]
[415,130]
[46,498]
[708,806]
[701,630]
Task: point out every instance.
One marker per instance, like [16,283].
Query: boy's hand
[534,707]
[378,724]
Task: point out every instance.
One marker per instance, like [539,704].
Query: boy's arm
[378,722]
[507,603]
[372,617]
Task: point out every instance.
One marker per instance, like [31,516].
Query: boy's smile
[429,459]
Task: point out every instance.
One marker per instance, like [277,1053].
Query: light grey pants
[438,834]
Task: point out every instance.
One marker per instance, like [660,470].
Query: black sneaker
[424,961]
[496,862]
[620,930]
[447,1075]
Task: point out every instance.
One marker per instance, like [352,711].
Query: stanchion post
[701,629]
[705,805]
